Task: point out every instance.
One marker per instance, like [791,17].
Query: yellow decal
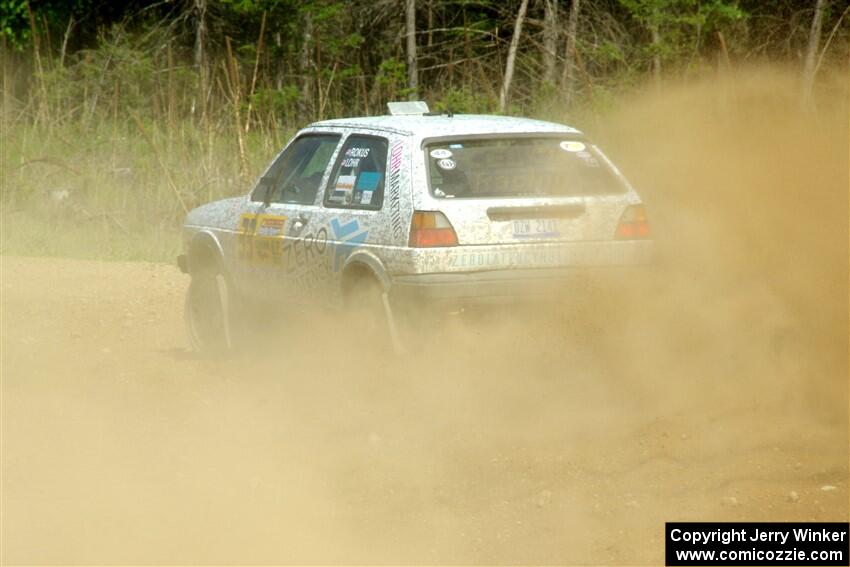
[572,146]
[260,239]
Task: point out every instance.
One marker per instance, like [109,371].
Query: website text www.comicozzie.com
[688,556]
[757,543]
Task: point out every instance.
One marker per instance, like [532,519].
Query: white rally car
[435,209]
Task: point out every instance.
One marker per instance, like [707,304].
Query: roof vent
[408,108]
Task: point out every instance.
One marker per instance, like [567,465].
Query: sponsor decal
[588,158]
[441,153]
[259,239]
[353,156]
[396,156]
[301,253]
[572,146]
[368,180]
[347,237]
[357,152]
[343,189]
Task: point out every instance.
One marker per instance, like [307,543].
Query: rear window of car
[518,167]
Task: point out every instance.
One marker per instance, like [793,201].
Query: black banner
[754,543]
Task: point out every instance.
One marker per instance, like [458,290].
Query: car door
[244,261]
[286,236]
[352,203]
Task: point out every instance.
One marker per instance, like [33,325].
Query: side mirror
[263,190]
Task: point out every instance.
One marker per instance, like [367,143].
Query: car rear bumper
[453,290]
[515,274]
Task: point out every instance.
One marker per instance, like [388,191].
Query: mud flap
[398,345]
[224,300]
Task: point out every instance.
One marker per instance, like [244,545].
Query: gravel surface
[121,446]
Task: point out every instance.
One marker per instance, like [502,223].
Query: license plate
[536,228]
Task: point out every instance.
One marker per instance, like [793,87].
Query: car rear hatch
[525,189]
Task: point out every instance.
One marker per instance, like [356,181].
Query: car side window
[296,175]
[357,180]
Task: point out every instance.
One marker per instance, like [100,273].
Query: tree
[410,31]
[550,39]
[568,81]
[305,64]
[677,26]
[811,52]
[200,55]
[509,65]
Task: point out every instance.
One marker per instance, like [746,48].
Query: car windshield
[516,167]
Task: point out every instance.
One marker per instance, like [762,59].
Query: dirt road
[119,446]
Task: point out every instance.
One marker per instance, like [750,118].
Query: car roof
[430,126]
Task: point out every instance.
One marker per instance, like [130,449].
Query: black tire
[208,311]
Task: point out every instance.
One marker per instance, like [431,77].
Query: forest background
[117,118]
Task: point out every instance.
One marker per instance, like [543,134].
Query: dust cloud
[709,388]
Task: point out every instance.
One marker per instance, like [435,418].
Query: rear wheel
[208,311]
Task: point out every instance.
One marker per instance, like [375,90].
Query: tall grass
[112,191]
[104,151]
[102,155]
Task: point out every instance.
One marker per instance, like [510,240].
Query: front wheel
[208,312]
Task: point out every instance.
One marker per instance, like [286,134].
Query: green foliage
[281,102]
[14,22]
[128,64]
[682,24]
[609,52]
[464,100]
[391,78]
[120,74]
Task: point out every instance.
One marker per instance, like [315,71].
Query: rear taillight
[633,224]
[428,229]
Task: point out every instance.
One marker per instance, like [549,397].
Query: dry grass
[116,192]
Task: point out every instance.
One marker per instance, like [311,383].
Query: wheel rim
[208,313]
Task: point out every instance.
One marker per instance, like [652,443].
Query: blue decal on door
[346,238]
